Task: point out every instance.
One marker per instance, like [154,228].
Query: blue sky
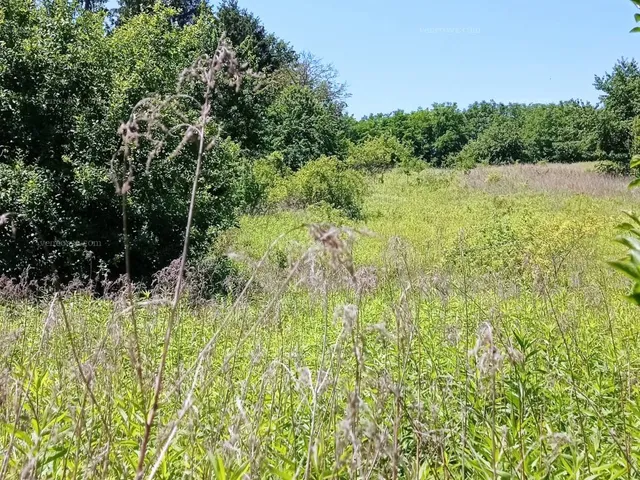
[411,53]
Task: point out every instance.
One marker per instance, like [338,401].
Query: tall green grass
[455,332]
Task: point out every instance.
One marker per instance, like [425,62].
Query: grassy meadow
[467,326]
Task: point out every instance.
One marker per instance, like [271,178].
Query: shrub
[609,167]
[466,159]
[65,222]
[377,154]
[61,101]
[325,180]
[265,175]
[303,127]
[499,144]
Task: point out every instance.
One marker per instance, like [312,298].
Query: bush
[64,223]
[61,102]
[325,180]
[265,175]
[609,167]
[303,127]
[501,143]
[377,154]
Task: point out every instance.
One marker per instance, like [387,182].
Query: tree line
[498,133]
[71,72]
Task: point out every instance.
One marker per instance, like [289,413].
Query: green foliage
[377,154]
[621,100]
[479,116]
[433,134]
[620,89]
[323,181]
[630,264]
[302,127]
[66,84]
[609,167]
[266,175]
[635,133]
[630,238]
[562,133]
[54,72]
[242,113]
[264,50]
[501,143]
[518,347]
[444,135]
[72,91]
[636,16]
[54,81]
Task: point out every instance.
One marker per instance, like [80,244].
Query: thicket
[70,73]
[495,133]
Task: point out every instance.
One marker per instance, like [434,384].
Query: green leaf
[631,242]
[635,160]
[59,453]
[626,226]
[221,473]
[637,17]
[626,268]
[634,298]
[635,257]
[282,474]
[635,30]
[241,472]
[633,217]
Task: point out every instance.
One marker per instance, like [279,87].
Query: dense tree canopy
[66,84]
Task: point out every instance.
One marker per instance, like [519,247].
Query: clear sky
[411,53]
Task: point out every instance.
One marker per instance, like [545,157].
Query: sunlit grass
[480,334]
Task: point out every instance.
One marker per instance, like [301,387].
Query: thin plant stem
[178,290]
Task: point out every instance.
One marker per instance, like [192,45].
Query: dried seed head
[488,357]
[381,329]
[515,356]
[484,339]
[557,441]
[304,378]
[348,314]
[490,362]
[339,249]
[452,335]
[367,279]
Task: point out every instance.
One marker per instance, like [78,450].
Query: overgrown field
[467,327]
